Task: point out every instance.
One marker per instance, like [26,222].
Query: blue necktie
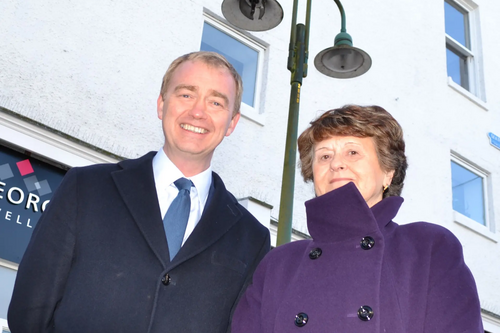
[177,216]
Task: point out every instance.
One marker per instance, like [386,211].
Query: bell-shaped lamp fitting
[343,61]
[253,15]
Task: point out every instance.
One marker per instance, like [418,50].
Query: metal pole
[342,15]
[297,64]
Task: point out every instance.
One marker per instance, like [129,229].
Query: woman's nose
[337,163]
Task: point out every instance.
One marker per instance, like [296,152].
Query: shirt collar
[165,173]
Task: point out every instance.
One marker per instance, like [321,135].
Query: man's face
[197,112]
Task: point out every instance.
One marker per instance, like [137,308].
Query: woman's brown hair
[359,121]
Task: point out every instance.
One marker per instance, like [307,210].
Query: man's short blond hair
[211,59]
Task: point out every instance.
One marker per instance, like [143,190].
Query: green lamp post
[340,61]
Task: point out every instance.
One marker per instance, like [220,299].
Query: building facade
[79,83]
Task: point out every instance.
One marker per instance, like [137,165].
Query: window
[463,45]
[33,160]
[458,46]
[243,53]
[468,192]
[26,186]
[469,185]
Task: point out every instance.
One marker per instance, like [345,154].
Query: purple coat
[362,272]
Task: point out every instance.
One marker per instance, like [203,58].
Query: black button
[165,280]
[315,253]
[301,319]
[365,313]
[367,243]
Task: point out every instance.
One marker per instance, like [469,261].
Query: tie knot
[183,184]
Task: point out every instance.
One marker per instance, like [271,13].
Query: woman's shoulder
[426,232]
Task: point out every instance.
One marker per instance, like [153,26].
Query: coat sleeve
[242,295]
[452,302]
[43,271]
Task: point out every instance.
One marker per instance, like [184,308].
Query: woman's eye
[325,157]
[353,152]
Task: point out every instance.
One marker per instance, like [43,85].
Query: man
[100,259]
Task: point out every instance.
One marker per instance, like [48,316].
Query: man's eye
[218,104]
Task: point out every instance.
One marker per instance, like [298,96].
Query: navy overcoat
[362,272]
[98,260]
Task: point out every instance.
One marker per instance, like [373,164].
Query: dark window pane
[456,24]
[243,58]
[26,186]
[468,192]
[457,68]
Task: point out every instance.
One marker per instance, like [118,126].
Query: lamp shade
[253,15]
[343,61]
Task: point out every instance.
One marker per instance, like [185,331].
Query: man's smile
[194,129]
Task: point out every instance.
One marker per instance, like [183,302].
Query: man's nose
[198,109]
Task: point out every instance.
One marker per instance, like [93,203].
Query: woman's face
[342,159]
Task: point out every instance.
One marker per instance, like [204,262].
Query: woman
[361,272]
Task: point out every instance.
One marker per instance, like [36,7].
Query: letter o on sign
[12,200]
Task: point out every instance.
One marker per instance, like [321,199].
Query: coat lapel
[135,183]
[220,214]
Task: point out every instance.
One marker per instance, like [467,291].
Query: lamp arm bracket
[342,15]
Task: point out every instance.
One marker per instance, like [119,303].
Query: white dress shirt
[165,174]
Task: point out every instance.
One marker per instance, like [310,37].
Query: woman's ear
[388,177]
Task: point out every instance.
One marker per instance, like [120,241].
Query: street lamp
[340,61]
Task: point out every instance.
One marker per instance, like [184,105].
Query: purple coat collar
[343,213]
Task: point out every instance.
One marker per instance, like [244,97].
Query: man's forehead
[186,75]
[203,64]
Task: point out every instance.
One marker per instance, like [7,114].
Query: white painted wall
[93,70]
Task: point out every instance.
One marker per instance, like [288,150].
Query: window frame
[487,230]
[473,55]
[491,321]
[3,325]
[463,52]
[254,113]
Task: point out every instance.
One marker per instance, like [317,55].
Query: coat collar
[221,212]
[135,183]
[343,213]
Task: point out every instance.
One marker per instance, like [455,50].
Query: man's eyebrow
[185,86]
[220,95]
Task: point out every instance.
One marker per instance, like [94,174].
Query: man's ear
[159,107]
[232,124]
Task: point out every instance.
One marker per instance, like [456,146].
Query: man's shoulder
[106,168]
[247,217]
